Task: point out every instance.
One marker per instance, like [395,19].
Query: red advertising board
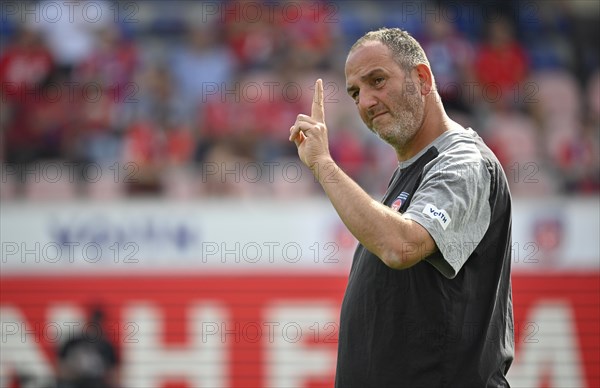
[242,331]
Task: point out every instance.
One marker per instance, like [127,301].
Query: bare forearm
[382,231]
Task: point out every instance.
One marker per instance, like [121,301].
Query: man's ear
[425,78]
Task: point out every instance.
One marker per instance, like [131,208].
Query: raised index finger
[318,111]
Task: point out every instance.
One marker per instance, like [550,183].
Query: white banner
[213,236]
[248,237]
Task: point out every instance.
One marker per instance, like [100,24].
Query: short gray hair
[407,52]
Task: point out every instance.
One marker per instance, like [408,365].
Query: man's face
[387,98]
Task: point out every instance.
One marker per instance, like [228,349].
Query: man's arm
[400,243]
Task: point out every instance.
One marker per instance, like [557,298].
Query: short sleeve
[452,203]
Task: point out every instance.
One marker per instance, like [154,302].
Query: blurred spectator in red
[111,66]
[105,82]
[269,99]
[501,60]
[348,151]
[240,125]
[24,66]
[38,128]
[221,116]
[451,57]
[253,41]
[39,112]
[230,117]
[304,30]
[158,136]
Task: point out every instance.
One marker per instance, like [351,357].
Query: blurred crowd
[187,99]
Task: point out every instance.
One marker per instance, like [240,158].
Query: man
[88,361]
[428,301]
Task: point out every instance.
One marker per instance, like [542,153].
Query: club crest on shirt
[397,204]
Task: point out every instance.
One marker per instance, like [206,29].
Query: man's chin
[385,134]
[383,127]
[379,118]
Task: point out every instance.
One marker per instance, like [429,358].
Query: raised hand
[309,133]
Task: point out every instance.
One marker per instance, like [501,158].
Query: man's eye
[378,81]
[354,96]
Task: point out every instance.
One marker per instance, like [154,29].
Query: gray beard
[405,127]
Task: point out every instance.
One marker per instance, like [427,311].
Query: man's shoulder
[459,142]
[465,162]
[463,148]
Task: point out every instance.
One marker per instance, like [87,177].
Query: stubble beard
[406,122]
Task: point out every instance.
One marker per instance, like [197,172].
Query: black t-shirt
[446,321]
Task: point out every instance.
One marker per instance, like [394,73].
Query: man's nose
[366,102]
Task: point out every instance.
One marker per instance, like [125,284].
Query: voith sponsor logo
[437,214]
